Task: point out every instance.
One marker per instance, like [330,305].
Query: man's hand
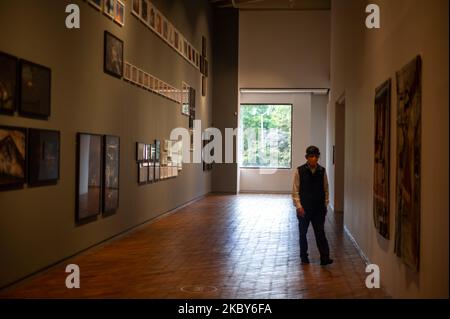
[301,212]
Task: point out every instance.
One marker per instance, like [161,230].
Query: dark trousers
[317,219]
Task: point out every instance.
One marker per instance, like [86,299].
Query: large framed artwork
[111,171]
[43,157]
[35,86]
[8,83]
[409,137]
[113,55]
[13,142]
[89,176]
[381,158]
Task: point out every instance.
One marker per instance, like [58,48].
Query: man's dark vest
[312,191]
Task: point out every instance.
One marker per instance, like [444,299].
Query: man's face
[312,160]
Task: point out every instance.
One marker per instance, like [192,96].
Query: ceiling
[273,4]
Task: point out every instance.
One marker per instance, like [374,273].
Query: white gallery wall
[408,28]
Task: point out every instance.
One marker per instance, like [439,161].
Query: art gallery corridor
[221,246]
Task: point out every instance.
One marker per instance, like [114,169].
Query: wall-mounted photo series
[152,18]
[151,83]
[113,9]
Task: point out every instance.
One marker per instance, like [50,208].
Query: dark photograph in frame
[111,171]
[113,55]
[381,158]
[8,83]
[13,142]
[89,176]
[98,4]
[43,157]
[408,179]
[143,173]
[35,90]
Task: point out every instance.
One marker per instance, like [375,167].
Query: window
[266,135]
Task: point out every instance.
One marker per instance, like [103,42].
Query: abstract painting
[43,157]
[13,142]
[113,55]
[409,137]
[381,160]
[8,83]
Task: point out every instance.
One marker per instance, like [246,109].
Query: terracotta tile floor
[222,246]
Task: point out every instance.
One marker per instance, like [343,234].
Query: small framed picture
[206,68]
[136,8]
[109,8]
[143,173]
[204,46]
[113,55]
[185,48]
[134,74]
[157,174]
[144,12]
[176,39]
[151,82]
[127,72]
[8,83]
[203,85]
[13,157]
[141,77]
[158,23]
[119,15]
[189,56]
[151,17]
[35,89]
[98,4]
[141,152]
[151,173]
[165,32]
[89,176]
[146,78]
[111,168]
[43,157]
[155,85]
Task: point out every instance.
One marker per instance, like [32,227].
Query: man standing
[310,196]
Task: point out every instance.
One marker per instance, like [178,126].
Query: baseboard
[263,192]
[360,252]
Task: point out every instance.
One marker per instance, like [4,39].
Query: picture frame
[35,90]
[43,157]
[141,77]
[144,12]
[158,23]
[8,83]
[113,55]
[136,8]
[151,173]
[165,30]
[109,8]
[98,4]
[146,79]
[203,85]
[13,156]
[185,99]
[119,13]
[88,176]
[111,173]
[143,173]
[134,74]
[152,16]
[141,152]
[127,72]
[204,48]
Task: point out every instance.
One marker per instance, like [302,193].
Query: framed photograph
[141,152]
[8,83]
[204,51]
[144,11]
[185,99]
[136,8]
[109,8]
[143,173]
[151,173]
[185,48]
[43,157]
[146,79]
[157,174]
[89,176]
[152,14]
[176,39]
[111,169]
[151,82]
[113,55]
[206,68]
[158,22]
[203,85]
[189,55]
[141,77]
[13,156]
[119,15]
[127,72]
[98,4]
[157,151]
[35,87]
[202,64]
[134,74]
[152,153]
[165,32]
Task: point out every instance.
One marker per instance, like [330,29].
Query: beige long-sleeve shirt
[296,188]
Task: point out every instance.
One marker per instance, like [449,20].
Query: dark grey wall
[37,225]
[225,91]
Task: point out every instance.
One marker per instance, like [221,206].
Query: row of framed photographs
[28,155]
[139,77]
[114,9]
[149,173]
[97,178]
[24,86]
[148,14]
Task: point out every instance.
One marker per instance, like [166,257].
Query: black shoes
[305,261]
[326,262]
